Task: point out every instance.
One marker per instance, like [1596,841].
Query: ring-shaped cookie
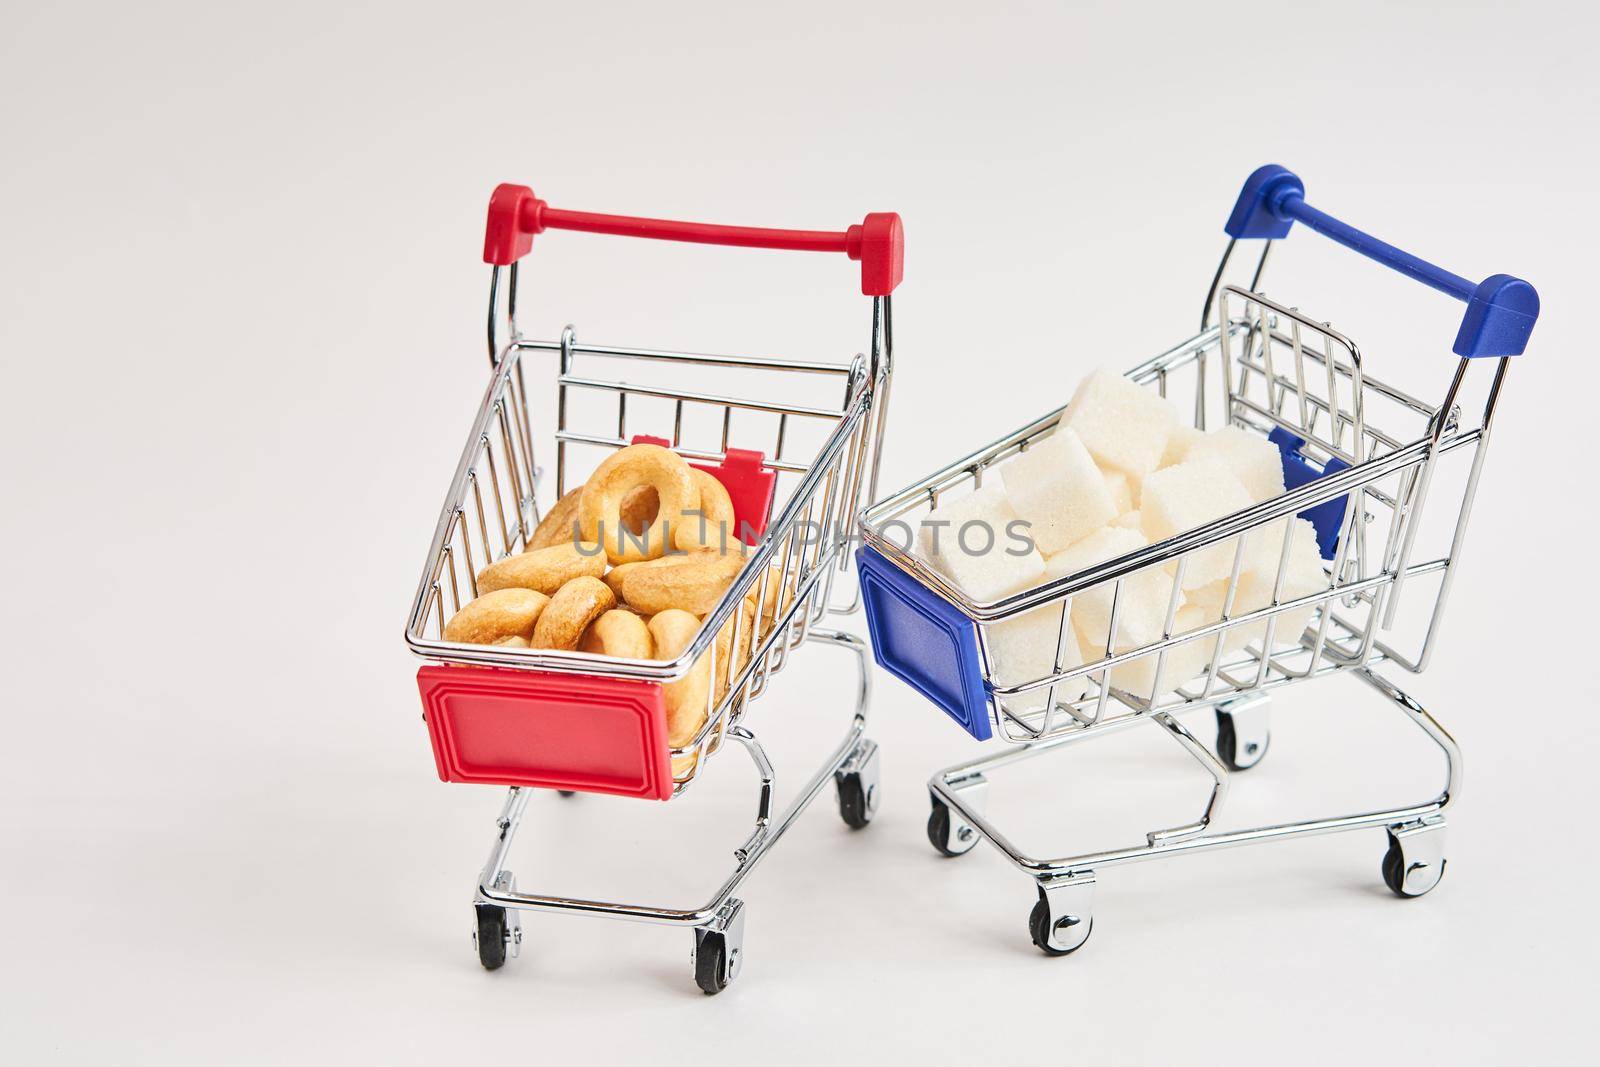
[497,615]
[672,631]
[600,506]
[544,570]
[569,613]
[618,633]
[694,581]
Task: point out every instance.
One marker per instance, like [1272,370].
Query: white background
[242,329]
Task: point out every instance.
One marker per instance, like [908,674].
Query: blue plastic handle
[1501,309]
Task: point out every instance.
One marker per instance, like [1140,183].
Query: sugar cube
[1178,499]
[1023,649]
[1184,661]
[1123,425]
[1253,459]
[1058,491]
[969,539]
[1303,575]
[1146,594]
[1178,444]
[1127,520]
[1121,488]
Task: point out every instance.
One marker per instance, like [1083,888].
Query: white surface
[242,332]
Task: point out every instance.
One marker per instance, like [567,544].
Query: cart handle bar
[1501,309]
[515,215]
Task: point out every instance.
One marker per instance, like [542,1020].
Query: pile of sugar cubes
[1118,473]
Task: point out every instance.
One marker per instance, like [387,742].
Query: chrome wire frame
[491,509]
[1273,368]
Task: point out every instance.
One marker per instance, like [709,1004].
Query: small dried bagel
[544,569]
[672,630]
[569,613]
[495,616]
[514,641]
[694,581]
[614,577]
[728,671]
[711,524]
[618,633]
[600,506]
[559,523]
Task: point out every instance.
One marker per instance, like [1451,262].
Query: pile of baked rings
[626,565]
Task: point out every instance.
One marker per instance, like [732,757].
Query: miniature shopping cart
[797,475]
[1363,462]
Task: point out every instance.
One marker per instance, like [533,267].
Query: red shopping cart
[798,475]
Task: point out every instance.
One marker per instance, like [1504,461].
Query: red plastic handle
[515,215]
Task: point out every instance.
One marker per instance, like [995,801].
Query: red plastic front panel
[554,731]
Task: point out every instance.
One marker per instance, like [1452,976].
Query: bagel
[672,631]
[558,526]
[710,525]
[495,616]
[618,633]
[728,671]
[615,575]
[544,570]
[575,605]
[694,581]
[514,641]
[600,506]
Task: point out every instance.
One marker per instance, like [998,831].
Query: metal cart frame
[491,509]
[1360,459]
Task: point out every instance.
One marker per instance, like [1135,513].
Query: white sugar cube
[1179,443]
[1121,488]
[1178,499]
[1303,575]
[1142,606]
[1123,425]
[970,540]
[1024,650]
[1253,459]
[1055,487]
[1128,520]
[1184,661]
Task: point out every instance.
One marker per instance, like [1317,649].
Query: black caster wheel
[947,838]
[567,792]
[1039,930]
[1234,756]
[719,952]
[854,806]
[710,962]
[492,936]
[1394,873]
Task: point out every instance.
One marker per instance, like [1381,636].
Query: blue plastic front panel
[920,639]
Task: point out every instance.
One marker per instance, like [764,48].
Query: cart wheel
[1234,756]
[567,792]
[949,840]
[491,937]
[719,950]
[1039,930]
[856,782]
[1411,876]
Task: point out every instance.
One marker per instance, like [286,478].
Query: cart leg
[1243,731]
[856,782]
[948,832]
[497,930]
[1415,861]
[719,948]
[1063,918]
